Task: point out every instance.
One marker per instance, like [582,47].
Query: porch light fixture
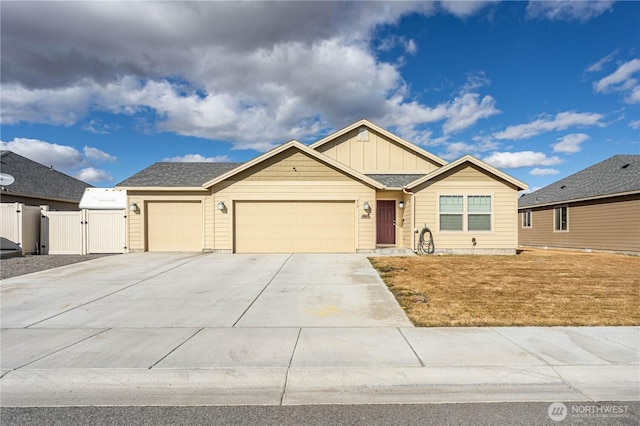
[133,207]
[366,207]
[401,204]
[221,206]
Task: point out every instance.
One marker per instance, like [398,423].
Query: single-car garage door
[174,226]
[295,227]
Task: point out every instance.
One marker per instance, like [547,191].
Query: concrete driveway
[168,290]
[193,329]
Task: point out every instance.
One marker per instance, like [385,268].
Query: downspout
[413,217]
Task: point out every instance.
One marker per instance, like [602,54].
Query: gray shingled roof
[618,174]
[395,181]
[177,174]
[36,180]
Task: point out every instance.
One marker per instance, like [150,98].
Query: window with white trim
[479,213]
[460,213]
[451,212]
[363,134]
[560,219]
[526,219]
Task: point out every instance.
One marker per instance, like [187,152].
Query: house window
[526,219]
[451,212]
[560,219]
[479,213]
[458,213]
[363,135]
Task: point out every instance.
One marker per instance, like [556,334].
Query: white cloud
[513,160]
[463,9]
[563,10]
[599,65]
[93,175]
[570,144]
[466,110]
[458,149]
[561,121]
[197,158]
[94,154]
[543,172]
[255,88]
[62,157]
[620,79]
[634,124]
[634,96]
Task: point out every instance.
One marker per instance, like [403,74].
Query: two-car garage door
[294,226]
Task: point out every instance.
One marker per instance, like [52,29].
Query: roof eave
[43,197]
[577,200]
[161,188]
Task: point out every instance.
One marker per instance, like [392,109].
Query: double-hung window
[479,213]
[451,212]
[460,213]
[526,219]
[560,219]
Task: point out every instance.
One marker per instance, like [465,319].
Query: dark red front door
[386,222]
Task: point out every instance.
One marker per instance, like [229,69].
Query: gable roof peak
[397,139]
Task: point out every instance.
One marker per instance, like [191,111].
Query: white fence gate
[84,232]
[20,224]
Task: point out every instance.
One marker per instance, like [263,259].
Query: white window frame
[527,223]
[465,212]
[363,134]
[556,228]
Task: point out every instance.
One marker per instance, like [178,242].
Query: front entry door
[386,222]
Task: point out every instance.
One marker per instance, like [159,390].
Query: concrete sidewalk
[193,329]
[289,366]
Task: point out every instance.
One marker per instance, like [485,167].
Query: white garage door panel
[174,226]
[295,226]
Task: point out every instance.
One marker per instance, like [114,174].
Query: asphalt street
[534,413]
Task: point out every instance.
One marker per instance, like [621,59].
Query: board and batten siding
[136,221]
[610,224]
[467,179]
[291,176]
[377,154]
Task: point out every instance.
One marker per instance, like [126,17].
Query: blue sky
[101,90]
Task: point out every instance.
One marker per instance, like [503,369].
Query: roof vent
[563,186]
[625,166]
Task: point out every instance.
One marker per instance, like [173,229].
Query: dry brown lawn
[535,287]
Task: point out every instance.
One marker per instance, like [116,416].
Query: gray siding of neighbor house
[609,224]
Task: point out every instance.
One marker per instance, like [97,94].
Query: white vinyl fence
[83,232]
[20,224]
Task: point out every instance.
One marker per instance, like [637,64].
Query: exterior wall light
[366,207]
[221,206]
[133,207]
[401,204]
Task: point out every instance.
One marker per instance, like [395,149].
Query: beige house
[597,208]
[359,189]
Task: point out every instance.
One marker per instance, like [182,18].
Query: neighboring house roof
[617,175]
[416,149]
[395,180]
[35,180]
[473,160]
[297,145]
[177,175]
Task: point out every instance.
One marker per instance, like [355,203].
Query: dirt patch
[16,266]
[535,287]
